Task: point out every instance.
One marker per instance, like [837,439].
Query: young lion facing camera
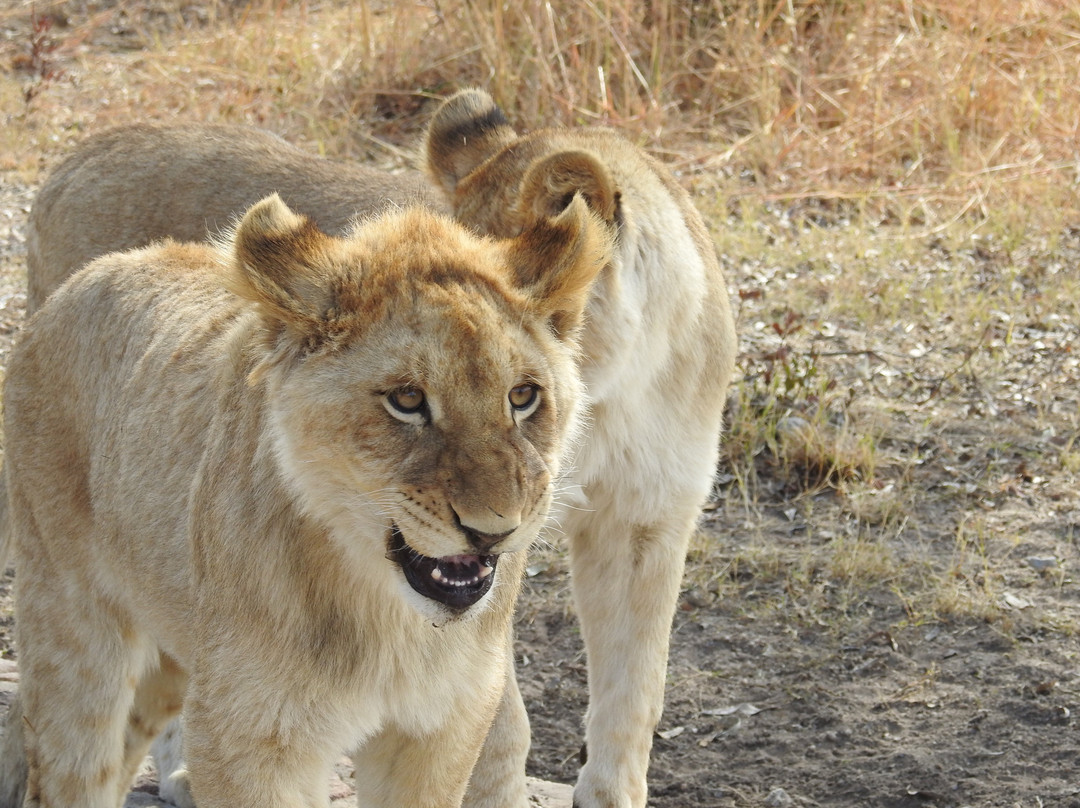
[285,484]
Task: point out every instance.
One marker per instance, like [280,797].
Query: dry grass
[890,183]
[915,112]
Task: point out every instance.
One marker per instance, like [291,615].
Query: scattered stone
[1011,601]
[543,794]
[778,798]
[1041,563]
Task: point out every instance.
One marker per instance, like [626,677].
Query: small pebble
[778,798]
[1040,563]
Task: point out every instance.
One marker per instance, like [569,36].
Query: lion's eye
[524,397]
[407,400]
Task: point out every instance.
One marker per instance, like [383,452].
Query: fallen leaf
[736,709]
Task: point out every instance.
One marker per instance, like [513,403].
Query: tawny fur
[205,468]
[659,346]
[126,187]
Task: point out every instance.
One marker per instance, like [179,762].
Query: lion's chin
[457,581]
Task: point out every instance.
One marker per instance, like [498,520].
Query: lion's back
[127,187]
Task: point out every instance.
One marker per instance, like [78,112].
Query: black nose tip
[483,542]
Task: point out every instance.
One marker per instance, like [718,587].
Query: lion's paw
[173,786]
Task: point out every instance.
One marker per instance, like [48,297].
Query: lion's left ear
[557,258]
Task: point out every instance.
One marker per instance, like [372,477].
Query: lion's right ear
[280,262]
[465,131]
[552,181]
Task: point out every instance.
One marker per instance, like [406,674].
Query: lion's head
[422,380]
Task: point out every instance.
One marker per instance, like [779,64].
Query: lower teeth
[438,575]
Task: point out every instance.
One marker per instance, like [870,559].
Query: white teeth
[438,575]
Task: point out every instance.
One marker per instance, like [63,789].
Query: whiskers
[373,510]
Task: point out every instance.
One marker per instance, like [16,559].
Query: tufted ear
[556,260]
[466,130]
[551,182]
[281,262]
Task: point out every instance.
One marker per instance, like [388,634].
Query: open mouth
[456,581]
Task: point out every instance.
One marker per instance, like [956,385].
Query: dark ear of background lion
[286,483]
[657,325]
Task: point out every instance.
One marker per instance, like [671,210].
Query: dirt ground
[786,688]
[770,709]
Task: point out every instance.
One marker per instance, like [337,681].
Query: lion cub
[658,347]
[287,484]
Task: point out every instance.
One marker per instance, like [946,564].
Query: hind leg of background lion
[12,758]
[626,581]
[158,700]
[174,785]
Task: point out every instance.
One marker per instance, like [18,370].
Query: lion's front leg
[396,769]
[626,582]
[498,779]
[241,753]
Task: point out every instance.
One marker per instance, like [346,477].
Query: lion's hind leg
[12,758]
[158,700]
[80,663]
[174,786]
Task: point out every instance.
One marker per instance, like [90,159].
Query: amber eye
[407,400]
[523,396]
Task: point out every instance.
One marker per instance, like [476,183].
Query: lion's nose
[483,535]
[484,542]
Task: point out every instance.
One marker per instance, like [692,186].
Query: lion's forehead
[479,329]
[454,342]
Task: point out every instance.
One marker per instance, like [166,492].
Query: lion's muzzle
[457,581]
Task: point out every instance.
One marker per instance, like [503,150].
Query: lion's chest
[418,677]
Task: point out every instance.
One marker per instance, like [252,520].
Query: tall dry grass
[913,110]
